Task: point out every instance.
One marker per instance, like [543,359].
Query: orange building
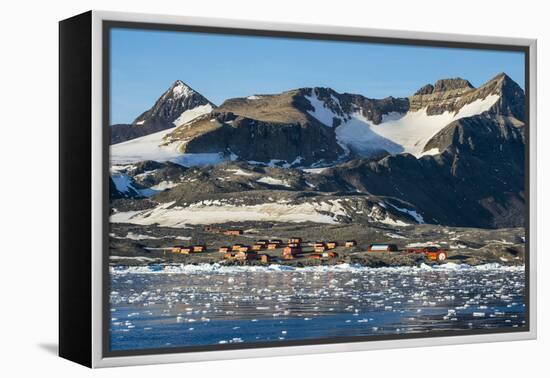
[186,250]
[291,251]
[246,255]
[330,254]
[233,232]
[314,256]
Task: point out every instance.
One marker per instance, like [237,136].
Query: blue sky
[145,63]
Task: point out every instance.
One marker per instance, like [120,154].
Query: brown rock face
[450,95]
[426,89]
[509,110]
[252,139]
[444,85]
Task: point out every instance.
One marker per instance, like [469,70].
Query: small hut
[291,251]
[350,243]
[314,256]
[383,248]
[186,250]
[330,254]
[319,247]
[246,255]
[176,249]
[233,232]
[229,256]
[199,248]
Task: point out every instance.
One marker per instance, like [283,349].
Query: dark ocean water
[182,306]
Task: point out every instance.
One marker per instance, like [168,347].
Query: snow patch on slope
[321,112]
[407,132]
[133,236]
[392,222]
[417,217]
[273,181]
[153,147]
[125,185]
[358,135]
[330,211]
[240,172]
[315,170]
[191,114]
[430,152]
[147,147]
[167,215]
[164,185]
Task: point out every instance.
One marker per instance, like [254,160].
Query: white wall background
[28,137]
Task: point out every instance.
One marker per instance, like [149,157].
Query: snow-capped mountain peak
[368,127]
[177,105]
[176,100]
[180,89]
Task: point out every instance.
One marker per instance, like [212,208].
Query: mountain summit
[174,103]
[169,107]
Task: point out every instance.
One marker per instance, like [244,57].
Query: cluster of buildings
[294,248]
[259,250]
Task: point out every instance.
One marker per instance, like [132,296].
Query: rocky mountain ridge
[319,125]
[450,154]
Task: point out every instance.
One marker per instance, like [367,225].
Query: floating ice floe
[274,268]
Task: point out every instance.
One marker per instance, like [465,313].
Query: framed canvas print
[234,189]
